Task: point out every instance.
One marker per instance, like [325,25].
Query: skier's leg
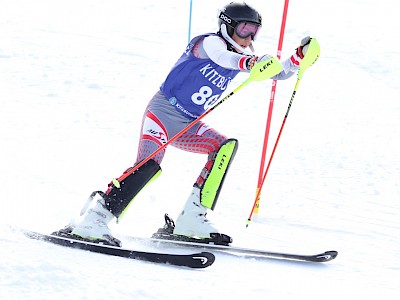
[112,204]
[192,220]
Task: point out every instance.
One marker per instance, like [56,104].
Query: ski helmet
[237,13]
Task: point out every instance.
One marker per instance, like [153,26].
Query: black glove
[251,60]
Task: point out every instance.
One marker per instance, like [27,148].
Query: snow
[75,78]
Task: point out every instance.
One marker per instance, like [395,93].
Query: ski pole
[271,106]
[311,57]
[261,71]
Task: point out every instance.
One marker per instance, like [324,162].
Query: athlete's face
[243,42]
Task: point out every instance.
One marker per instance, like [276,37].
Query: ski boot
[93,224]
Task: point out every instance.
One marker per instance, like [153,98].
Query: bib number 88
[204,97]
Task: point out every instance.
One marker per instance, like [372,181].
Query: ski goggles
[242,29]
[246,29]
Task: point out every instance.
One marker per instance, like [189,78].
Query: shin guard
[120,195]
[215,178]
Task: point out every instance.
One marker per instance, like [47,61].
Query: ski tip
[204,259]
[327,256]
[333,253]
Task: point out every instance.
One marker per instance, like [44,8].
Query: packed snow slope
[75,78]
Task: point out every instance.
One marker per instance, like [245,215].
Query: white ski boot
[192,221]
[93,224]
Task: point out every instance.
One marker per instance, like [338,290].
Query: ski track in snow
[75,78]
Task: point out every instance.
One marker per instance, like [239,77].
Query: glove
[300,51]
[251,60]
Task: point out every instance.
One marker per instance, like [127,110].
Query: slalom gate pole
[271,106]
[311,57]
[190,20]
[261,71]
[257,201]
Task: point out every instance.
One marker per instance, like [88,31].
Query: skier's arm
[292,64]
[214,48]
[288,69]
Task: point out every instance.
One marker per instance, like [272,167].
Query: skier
[194,84]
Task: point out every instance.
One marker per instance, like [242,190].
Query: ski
[195,260]
[239,251]
[221,243]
